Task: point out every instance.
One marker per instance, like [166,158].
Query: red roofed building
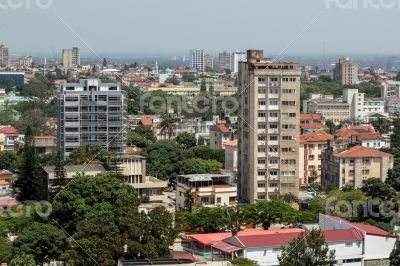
[306,128]
[310,118]
[353,165]
[219,134]
[311,147]
[11,134]
[363,135]
[377,244]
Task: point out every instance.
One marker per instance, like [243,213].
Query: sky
[176,26]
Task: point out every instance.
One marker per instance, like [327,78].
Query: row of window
[276,91]
[275,126]
[276,79]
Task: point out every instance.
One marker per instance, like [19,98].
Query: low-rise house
[377,244]
[353,165]
[363,135]
[311,118]
[307,128]
[219,134]
[5,182]
[354,244]
[11,135]
[43,144]
[133,169]
[205,190]
[231,155]
[311,147]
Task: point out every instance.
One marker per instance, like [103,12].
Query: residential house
[11,134]
[354,165]
[219,134]
[206,190]
[231,155]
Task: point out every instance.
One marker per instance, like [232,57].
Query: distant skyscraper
[197,60]
[208,63]
[3,55]
[91,112]
[269,127]
[225,61]
[345,72]
[71,58]
[236,58]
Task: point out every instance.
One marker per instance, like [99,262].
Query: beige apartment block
[207,190]
[269,128]
[354,165]
[311,147]
[345,72]
[330,109]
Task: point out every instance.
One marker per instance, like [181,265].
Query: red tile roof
[363,128]
[9,130]
[312,125]
[370,136]
[310,116]
[368,229]
[342,235]
[146,121]
[232,143]
[226,247]
[220,128]
[372,230]
[362,152]
[210,238]
[316,136]
[277,239]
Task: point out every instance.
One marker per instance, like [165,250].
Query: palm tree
[167,126]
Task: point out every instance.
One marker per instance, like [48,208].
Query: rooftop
[310,116]
[203,177]
[342,235]
[220,128]
[316,136]
[232,143]
[362,152]
[77,168]
[312,125]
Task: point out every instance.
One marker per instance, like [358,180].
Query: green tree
[394,177]
[164,159]
[114,163]
[395,136]
[59,173]
[395,257]
[23,260]
[167,126]
[375,188]
[243,262]
[186,140]
[145,132]
[200,166]
[381,125]
[308,249]
[331,126]
[206,153]
[88,154]
[274,211]
[5,251]
[30,183]
[44,241]
[8,160]
[188,200]
[136,139]
[289,198]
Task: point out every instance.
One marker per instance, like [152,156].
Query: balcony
[273,95]
[273,131]
[262,108]
[71,124]
[71,103]
[273,154]
[273,189]
[273,107]
[273,166]
[261,96]
[273,142]
[273,119]
[262,142]
[262,119]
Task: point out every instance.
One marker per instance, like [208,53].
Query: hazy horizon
[175,26]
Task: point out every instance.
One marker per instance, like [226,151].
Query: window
[273,102]
[261,149]
[289,103]
[273,79]
[273,137]
[261,91]
[273,161]
[261,80]
[289,115]
[262,114]
[351,172]
[261,102]
[273,149]
[262,126]
[349,244]
[351,161]
[273,184]
[273,126]
[261,196]
[291,161]
[288,138]
[261,173]
[311,157]
[365,172]
[261,161]
[261,185]
[273,114]
[261,137]
[285,126]
[289,91]
[273,173]
[273,91]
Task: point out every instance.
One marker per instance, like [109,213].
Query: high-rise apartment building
[345,72]
[3,55]
[71,57]
[236,58]
[208,63]
[26,61]
[225,61]
[269,128]
[197,60]
[91,112]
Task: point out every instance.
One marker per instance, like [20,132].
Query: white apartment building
[197,60]
[91,112]
[207,190]
[269,128]
[362,108]
[236,58]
